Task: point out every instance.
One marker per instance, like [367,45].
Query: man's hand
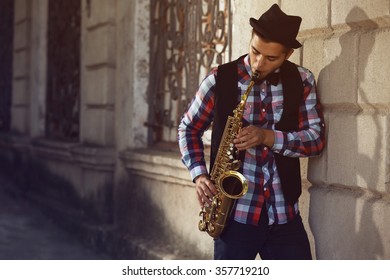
[205,189]
[251,136]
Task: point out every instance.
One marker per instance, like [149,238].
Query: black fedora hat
[277,26]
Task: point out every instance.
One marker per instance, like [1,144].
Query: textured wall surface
[344,45]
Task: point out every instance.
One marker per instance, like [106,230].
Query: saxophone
[230,183]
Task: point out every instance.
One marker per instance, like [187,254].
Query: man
[282,122]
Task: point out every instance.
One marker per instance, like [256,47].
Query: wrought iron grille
[63,76]
[188,38]
[6,54]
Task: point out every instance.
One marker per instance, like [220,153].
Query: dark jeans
[276,242]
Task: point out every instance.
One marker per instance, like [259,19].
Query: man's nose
[259,61]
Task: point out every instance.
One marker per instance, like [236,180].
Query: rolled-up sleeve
[194,122]
[309,139]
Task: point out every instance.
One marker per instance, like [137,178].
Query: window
[188,38]
[63,76]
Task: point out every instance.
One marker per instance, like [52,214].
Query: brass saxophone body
[230,183]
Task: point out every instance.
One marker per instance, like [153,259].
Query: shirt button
[263,110]
[265,148]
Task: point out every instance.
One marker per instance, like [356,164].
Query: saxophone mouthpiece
[255,77]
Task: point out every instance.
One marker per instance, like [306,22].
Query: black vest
[226,101]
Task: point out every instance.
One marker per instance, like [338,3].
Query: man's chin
[262,75]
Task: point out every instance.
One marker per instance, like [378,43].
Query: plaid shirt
[264,108]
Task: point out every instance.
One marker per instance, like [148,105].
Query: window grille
[63,76]
[6,54]
[188,38]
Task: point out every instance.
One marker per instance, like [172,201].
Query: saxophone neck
[254,79]
[238,112]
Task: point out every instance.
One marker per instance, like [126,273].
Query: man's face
[266,57]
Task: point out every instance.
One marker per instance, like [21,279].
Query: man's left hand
[251,136]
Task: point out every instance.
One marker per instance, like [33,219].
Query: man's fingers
[199,199]
[202,198]
[205,190]
[206,193]
[249,137]
[211,188]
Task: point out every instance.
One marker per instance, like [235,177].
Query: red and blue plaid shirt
[264,108]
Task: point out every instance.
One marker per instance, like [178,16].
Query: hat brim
[262,30]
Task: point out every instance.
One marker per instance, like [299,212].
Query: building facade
[92,92]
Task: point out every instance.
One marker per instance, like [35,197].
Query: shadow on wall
[352,232]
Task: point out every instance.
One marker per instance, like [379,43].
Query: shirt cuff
[198,170]
[278,141]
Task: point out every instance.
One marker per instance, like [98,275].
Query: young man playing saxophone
[282,121]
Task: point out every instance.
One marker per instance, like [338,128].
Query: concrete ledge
[156,164]
[52,149]
[98,158]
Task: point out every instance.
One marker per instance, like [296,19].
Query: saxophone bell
[233,184]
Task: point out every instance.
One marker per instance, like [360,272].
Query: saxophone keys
[210,228]
[236,165]
[202,226]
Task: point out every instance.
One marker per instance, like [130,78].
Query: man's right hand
[205,189]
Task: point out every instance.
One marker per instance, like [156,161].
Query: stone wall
[344,43]
[98,70]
